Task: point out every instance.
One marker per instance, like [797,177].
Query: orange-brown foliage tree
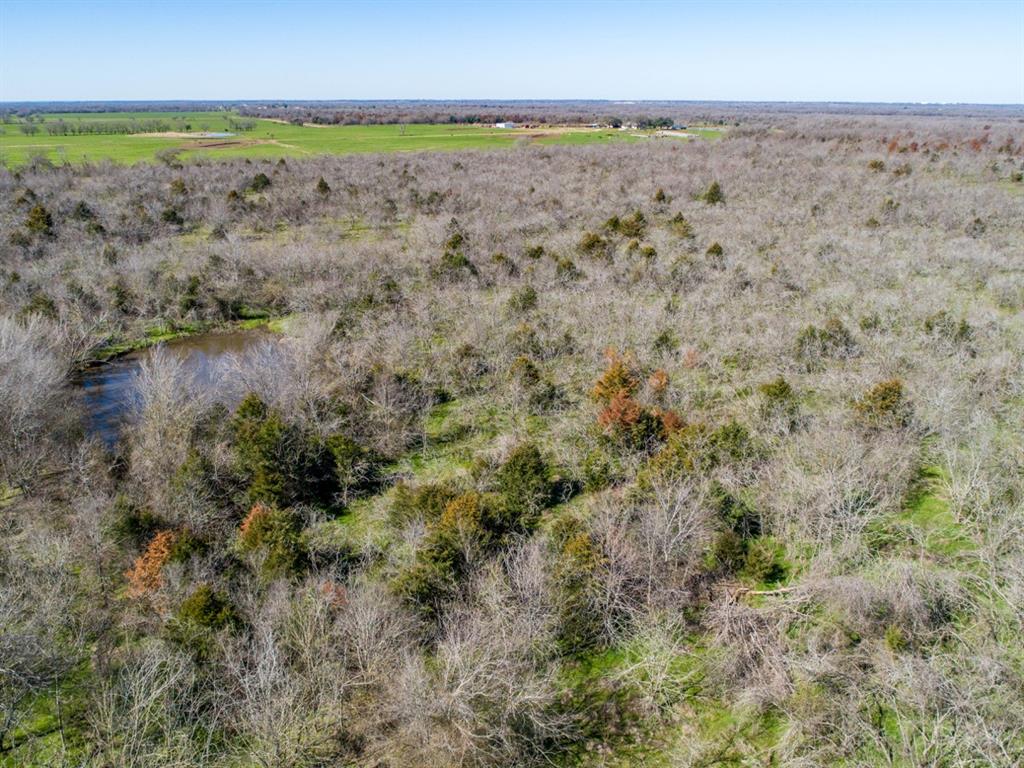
[145,576]
[617,377]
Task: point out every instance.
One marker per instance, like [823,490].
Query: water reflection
[110,391]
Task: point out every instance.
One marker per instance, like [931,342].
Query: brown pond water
[110,391]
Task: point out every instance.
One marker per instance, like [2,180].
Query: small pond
[110,390]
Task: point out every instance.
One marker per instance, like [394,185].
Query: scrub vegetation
[659,453]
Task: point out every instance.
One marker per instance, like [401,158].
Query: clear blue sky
[800,51]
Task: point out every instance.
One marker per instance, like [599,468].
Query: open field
[643,452]
[270,138]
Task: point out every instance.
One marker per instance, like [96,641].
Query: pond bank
[110,390]
[167,333]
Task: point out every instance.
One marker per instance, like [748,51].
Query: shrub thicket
[39,220]
[282,464]
[259,182]
[524,482]
[713,195]
[884,405]
[276,535]
[833,340]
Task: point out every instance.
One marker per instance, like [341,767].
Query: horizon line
[483,100]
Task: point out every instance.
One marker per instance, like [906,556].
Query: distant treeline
[80,128]
[571,113]
[577,112]
[25,108]
[114,127]
[640,113]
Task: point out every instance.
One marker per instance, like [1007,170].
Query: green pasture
[271,139]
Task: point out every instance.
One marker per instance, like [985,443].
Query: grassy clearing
[926,522]
[52,731]
[451,440]
[929,512]
[696,727]
[272,139]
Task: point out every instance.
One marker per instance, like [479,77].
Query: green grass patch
[8,494]
[694,723]
[450,444]
[730,737]
[451,439]
[925,523]
[51,731]
[928,512]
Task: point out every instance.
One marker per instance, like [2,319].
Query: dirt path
[290,146]
[180,135]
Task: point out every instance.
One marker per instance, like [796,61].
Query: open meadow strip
[130,137]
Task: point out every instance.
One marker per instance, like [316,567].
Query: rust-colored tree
[618,377]
[145,576]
